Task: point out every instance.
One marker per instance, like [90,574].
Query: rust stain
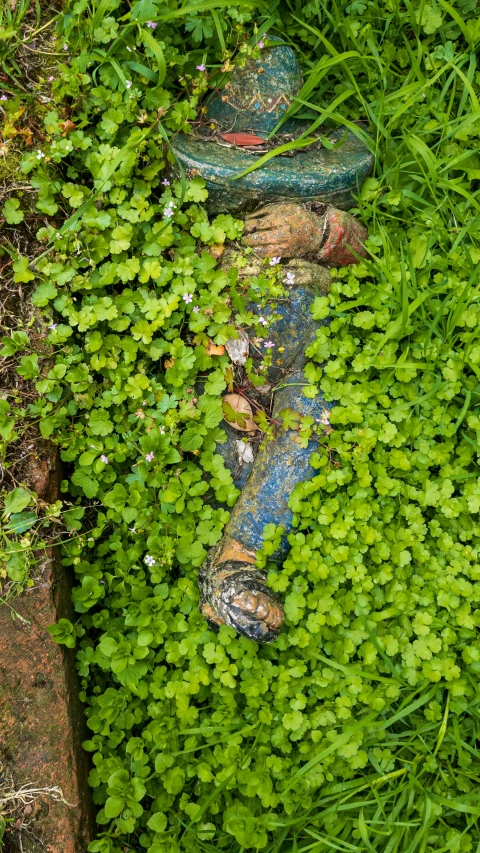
[232,549]
[344,239]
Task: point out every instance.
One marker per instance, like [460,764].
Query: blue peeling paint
[279,466]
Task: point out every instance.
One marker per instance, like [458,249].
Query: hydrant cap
[253,101]
[257,96]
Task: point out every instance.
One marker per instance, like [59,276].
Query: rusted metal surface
[344,239]
[329,236]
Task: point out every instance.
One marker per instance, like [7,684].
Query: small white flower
[187,297]
[129,49]
[132,529]
[196,309]
[161,430]
[275,261]
[3,98]
[40,154]
[290,279]
[128,84]
[51,78]
[104,459]
[65,47]
[150,456]
[262,321]
[268,345]
[149,560]
[52,326]
[165,182]
[325,419]
[168,211]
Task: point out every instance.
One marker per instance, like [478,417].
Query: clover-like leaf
[11,211]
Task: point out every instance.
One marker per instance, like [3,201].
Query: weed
[357,731]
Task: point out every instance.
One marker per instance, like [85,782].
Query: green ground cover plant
[357,730]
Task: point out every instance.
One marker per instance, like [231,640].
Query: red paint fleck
[242,139]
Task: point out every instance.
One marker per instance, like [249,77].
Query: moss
[10,164]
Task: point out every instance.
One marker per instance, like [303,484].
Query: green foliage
[17,341]
[357,730]
[21,524]
[63,632]
[15,501]
[10,210]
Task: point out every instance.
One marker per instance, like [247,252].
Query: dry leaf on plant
[215,349]
[238,413]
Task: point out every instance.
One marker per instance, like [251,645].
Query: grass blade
[157,51]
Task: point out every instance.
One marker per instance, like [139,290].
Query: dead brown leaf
[214,349]
[217,250]
[67,126]
[238,413]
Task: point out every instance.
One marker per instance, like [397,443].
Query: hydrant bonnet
[254,101]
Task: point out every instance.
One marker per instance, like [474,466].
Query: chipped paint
[344,239]
[279,466]
[254,100]
[232,590]
[329,175]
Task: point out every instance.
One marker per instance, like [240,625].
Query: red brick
[41,719]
